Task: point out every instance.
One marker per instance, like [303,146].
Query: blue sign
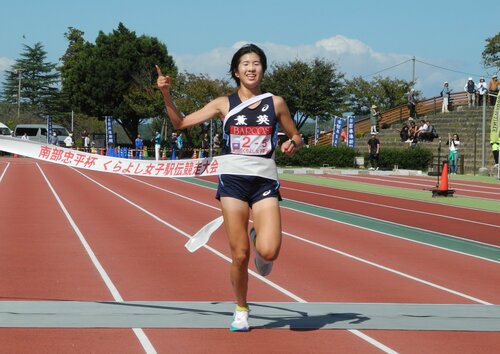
[49,128]
[110,137]
[350,131]
[338,124]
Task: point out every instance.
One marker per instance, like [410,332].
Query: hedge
[341,157]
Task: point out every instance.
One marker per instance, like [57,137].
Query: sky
[363,37]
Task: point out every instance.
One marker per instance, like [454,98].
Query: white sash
[245,104]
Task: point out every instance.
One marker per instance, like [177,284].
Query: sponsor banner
[338,125]
[350,132]
[110,137]
[495,124]
[226,164]
[49,128]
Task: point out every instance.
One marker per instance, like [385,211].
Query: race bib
[246,140]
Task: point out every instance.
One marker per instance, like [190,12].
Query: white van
[38,132]
[4,130]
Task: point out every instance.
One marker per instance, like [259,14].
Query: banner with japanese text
[110,136]
[350,132]
[338,125]
[226,164]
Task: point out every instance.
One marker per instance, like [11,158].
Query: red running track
[135,228]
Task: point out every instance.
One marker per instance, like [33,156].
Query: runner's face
[250,70]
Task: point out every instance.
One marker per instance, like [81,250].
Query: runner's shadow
[299,321]
[302,321]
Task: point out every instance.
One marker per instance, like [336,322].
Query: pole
[439,168]
[316,132]
[483,163]
[413,75]
[72,119]
[19,72]
[211,137]
[483,171]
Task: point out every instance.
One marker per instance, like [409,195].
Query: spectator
[422,129]
[429,133]
[445,93]
[139,145]
[157,142]
[205,145]
[404,133]
[481,89]
[173,145]
[453,144]
[374,117]
[86,143]
[493,86]
[68,141]
[412,104]
[470,89]
[179,144]
[216,144]
[84,135]
[53,139]
[343,136]
[373,151]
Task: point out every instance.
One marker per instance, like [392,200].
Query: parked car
[4,130]
[38,132]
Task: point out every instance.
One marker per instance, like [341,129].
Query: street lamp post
[19,72]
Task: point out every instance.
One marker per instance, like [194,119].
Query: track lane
[42,259]
[477,225]
[123,215]
[461,187]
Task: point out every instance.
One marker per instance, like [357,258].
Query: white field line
[344,253]
[4,171]
[421,185]
[284,291]
[409,210]
[143,339]
[455,182]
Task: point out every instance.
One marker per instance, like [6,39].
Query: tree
[191,92]
[115,76]
[38,79]
[491,53]
[311,90]
[386,93]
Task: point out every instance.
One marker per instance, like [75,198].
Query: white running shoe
[240,322]
[263,267]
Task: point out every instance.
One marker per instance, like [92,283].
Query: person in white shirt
[481,89]
[453,144]
[69,141]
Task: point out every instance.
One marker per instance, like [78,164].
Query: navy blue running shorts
[250,189]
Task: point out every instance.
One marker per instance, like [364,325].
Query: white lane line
[143,339]
[279,288]
[4,171]
[461,189]
[412,211]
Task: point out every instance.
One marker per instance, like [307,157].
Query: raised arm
[218,107]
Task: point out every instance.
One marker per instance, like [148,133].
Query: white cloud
[5,64]
[353,57]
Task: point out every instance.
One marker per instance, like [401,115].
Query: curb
[334,171]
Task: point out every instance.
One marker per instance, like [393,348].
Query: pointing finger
[158,70]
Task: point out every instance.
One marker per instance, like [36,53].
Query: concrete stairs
[466,122]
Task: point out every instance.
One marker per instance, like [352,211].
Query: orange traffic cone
[442,190]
